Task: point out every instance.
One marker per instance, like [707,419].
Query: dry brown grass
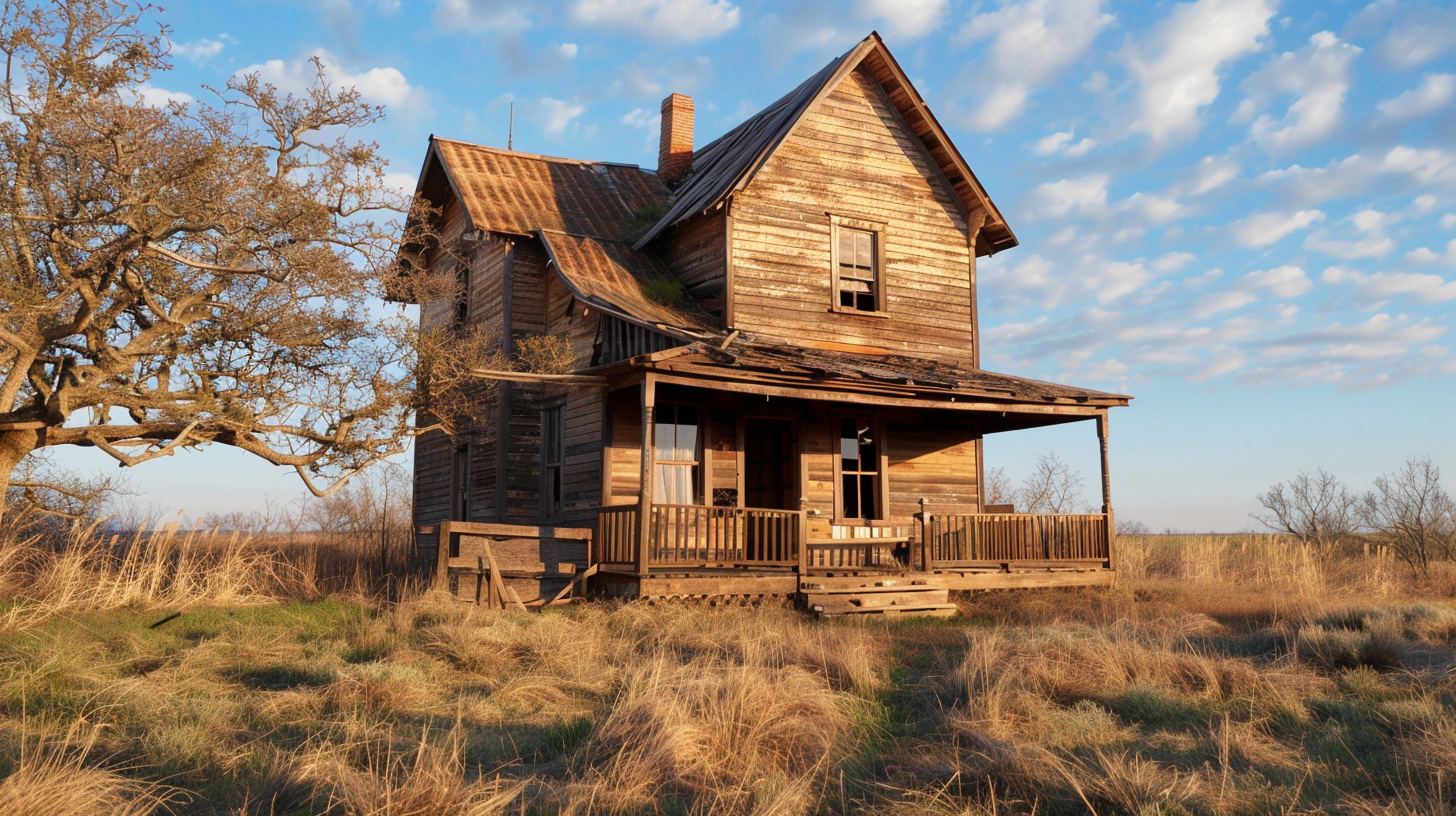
[1268,679]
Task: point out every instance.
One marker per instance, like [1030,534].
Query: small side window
[553,454]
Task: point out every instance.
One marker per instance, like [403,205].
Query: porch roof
[772,364]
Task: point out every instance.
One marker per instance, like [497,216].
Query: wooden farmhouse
[775,383]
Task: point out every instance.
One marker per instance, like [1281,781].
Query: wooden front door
[771,464]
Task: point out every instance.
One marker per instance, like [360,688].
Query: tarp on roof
[520,193]
[611,274]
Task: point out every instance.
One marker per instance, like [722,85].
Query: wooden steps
[868,595]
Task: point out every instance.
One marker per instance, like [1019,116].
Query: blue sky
[1242,212]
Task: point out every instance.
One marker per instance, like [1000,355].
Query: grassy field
[1222,675]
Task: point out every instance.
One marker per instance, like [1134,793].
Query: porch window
[859,470]
[553,452]
[857,263]
[676,455]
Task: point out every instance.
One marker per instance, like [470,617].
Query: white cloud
[1173,261]
[1177,67]
[567,50]
[906,19]
[479,16]
[1319,74]
[198,50]
[1431,96]
[381,86]
[1421,36]
[1150,208]
[1372,291]
[1357,174]
[1062,143]
[1031,43]
[1283,281]
[1448,221]
[1055,199]
[152,96]
[1217,302]
[1262,229]
[1369,247]
[553,115]
[1211,173]
[685,20]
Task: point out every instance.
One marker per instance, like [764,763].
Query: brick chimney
[675,150]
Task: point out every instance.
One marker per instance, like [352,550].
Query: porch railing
[689,535]
[997,538]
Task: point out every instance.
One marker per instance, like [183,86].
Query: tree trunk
[14,446]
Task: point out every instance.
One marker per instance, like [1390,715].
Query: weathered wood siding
[487,261]
[934,461]
[696,254]
[853,157]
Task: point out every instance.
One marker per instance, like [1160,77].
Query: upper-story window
[858,265]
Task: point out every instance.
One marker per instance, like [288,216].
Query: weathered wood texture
[853,156]
[934,460]
[970,539]
[534,562]
[697,255]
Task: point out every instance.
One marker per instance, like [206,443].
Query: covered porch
[729,479]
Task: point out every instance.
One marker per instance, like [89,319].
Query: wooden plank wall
[581,474]
[625,449]
[696,255]
[935,461]
[433,451]
[487,258]
[853,157]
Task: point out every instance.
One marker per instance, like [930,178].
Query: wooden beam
[442,555]
[528,377]
[728,299]
[1106,475]
[857,398]
[519,531]
[1102,434]
[644,498]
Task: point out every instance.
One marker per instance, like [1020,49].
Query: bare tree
[189,274]
[1315,508]
[1053,486]
[1410,512]
[998,488]
[43,498]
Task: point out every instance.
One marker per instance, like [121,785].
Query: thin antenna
[511,131]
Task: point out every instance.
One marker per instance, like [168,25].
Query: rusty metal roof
[520,193]
[745,356]
[611,275]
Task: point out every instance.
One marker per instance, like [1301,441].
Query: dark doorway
[770,478]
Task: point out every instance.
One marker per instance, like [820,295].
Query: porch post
[644,500]
[1102,433]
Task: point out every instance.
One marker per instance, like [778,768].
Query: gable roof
[521,193]
[729,163]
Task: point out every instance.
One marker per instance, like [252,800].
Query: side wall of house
[696,254]
[853,157]
[541,304]
[487,261]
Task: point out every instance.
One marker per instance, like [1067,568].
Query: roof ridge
[519,154]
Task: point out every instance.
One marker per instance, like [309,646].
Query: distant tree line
[1407,511]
